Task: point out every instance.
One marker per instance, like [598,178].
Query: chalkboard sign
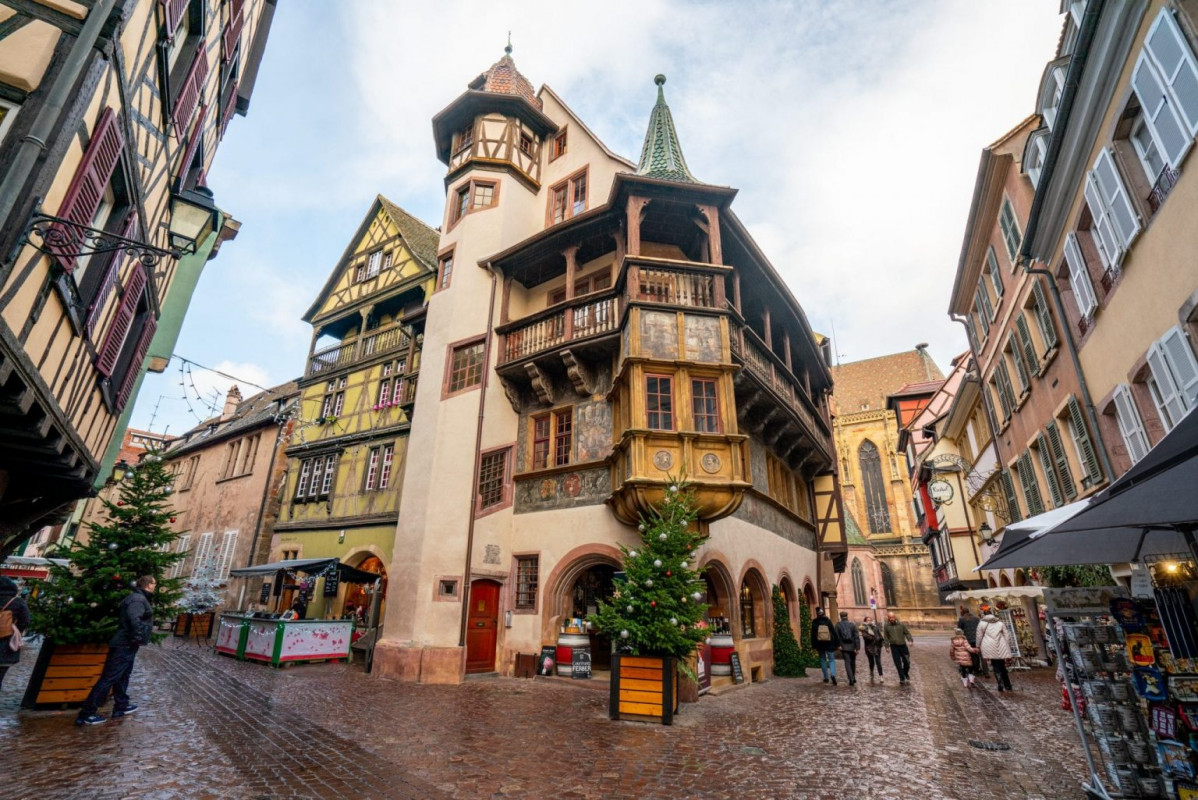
[264,595]
[581,663]
[738,674]
[332,579]
[546,660]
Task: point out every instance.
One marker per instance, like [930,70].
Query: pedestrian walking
[963,654]
[897,638]
[18,622]
[850,643]
[968,622]
[995,646]
[136,624]
[871,636]
[826,643]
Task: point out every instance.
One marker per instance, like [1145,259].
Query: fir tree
[788,659]
[658,603]
[78,603]
[202,592]
[807,653]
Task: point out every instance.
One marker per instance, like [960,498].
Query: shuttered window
[1008,490]
[225,560]
[984,301]
[231,36]
[1079,278]
[191,91]
[1031,487]
[1131,427]
[1115,221]
[111,273]
[133,368]
[983,319]
[86,191]
[203,554]
[1051,478]
[173,11]
[122,322]
[1174,381]
[180,547]
[1010,229]
[1021,369]
[1165,80]
[1085,445]
[1025,344]
[992,268]
[1004,388]
[1060,460]
[1044,317]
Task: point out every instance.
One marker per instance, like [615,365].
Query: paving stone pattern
[211,727]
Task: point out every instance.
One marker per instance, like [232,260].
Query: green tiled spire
[661,157]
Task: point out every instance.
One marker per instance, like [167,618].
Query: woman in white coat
[995,647]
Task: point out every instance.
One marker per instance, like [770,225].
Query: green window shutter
[1004,387]
[1008,489]
[1084,443]
[1001,402]
[1050,473]
[1061,460]
[1031,489]
[1025,343]
[1021,369]
[1044,317]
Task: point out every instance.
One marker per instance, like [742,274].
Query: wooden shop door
[482,626]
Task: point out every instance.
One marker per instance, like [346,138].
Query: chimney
[232,400]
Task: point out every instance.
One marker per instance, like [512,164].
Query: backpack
[822,633]
[6,623]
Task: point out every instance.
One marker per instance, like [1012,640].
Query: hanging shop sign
[940,491]
[332,580]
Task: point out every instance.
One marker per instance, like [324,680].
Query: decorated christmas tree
[78,603]
[807,653]
[788,659]
[659,601]
[202,592]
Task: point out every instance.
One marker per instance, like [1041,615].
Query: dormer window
[1051,91]
[1034,154]
[559,146]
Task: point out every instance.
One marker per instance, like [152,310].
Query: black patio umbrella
[1151,510]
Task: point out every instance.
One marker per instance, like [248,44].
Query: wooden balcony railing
[375,342]
[586,316]
[676,287]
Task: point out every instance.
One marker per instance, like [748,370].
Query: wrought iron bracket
[56,236]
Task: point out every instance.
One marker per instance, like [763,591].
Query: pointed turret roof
[661,156]
[504,78]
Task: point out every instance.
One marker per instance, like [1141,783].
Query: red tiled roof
[863,385]
[504,78]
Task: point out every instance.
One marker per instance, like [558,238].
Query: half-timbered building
[599,327]
[347,451]
[110,115]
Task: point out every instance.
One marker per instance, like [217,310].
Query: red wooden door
[482,626]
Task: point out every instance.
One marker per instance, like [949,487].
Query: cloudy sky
[852,130]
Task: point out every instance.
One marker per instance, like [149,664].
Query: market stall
[273,632]
[1129,655]
[1019,607]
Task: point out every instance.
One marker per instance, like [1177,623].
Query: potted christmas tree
[201,595]
[76,607]
[655,610]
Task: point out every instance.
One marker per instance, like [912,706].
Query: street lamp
[986,532]
[119,470]
[193,218]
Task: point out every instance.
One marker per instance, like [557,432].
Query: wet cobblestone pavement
[210,727]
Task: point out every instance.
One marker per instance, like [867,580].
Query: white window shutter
[1168,128]
[1168,399]
[203,552]
[1079,277]
[1171,54]
[1183,365]
[1130,426]
[228,545]
[1123,216]
[1110,250]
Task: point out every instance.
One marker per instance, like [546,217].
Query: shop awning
[311,566]
[1152,510]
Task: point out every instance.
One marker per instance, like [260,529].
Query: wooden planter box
[64,675]
[643,688]
[197,625]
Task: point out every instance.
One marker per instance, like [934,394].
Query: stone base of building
[418,664]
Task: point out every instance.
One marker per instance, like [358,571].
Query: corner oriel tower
[599,328]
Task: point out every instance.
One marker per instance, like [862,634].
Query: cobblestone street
[213,727]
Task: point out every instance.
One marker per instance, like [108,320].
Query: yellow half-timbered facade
[111,113]
[347,452]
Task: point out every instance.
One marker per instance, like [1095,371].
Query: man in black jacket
[134,629]
[826,643]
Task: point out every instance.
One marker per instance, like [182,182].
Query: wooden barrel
[721,654]
[567,643]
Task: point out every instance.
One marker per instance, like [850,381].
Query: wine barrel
[721,654]
[567,643]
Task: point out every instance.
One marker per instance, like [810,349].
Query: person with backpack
[995,647]
[135,627]
[871,636]
[14,620]
[826,643]
[850,643]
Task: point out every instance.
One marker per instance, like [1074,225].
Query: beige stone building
[872,401]
[598,326]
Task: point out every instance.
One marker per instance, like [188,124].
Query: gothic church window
[876,510]
[858,583]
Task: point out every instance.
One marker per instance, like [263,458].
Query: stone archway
[990,584]
[787,587]
[1004,581]
[1020,578]
[721,596]
[809,595]
[753,605]
[581,579]
[372,600]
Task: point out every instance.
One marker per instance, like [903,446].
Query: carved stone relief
[568,490]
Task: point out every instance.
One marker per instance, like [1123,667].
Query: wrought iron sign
[56,236]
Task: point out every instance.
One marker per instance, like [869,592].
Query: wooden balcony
[583,317]
[388,339]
